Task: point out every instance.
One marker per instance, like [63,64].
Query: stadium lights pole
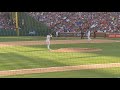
[17,29]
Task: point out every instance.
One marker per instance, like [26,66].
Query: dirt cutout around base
[76,50]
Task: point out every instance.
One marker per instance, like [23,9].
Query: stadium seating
[62,21]
[72,21]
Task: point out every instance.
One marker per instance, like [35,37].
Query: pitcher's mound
[76,50]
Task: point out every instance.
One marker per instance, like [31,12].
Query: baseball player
[95,31]
[82,34]
[88,35]
[57,33]
[48,41]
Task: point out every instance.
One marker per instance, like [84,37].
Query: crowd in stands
[5,21]
[70,21]
[76,21]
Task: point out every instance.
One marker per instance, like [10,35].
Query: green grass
[19,57]
[37,56]
[20,38]
[36,38]
[96,73]
[32,38]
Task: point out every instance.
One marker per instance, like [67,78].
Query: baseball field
[28,57]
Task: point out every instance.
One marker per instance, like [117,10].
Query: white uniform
[57,34]
[48,41]
[88,35]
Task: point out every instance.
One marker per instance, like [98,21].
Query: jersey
[88,33]
[48,37]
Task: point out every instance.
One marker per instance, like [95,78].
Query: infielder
[88,35]
[48,41]
[57,33]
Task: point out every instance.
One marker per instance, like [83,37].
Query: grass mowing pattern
[36,38]
[20,57]
[23,38]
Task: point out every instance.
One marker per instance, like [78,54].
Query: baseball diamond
[59,44]
[15,46]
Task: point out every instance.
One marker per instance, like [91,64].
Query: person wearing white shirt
[48,41]
[57,33]
[88,35]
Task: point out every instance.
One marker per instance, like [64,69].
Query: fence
[27,25]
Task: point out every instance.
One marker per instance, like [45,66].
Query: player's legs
[48,45]
[89,37]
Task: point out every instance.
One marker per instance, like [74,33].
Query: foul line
[57,69]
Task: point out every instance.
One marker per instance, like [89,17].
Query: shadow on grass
[33,51]
[80,57]
[87,57]
[18,61]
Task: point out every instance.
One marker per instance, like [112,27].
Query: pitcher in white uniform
[88,35]
[48,41]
